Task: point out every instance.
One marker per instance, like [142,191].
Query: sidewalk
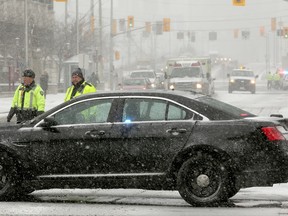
[52,100]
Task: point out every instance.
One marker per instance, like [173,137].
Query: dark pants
[25,115]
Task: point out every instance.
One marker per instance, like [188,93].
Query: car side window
[176,113]
[86,112]
[137,109]
[147,109]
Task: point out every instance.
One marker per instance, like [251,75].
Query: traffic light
[285,32]
[117,55]
[92,25]
[122,25]
[148,27]
[212,36]
[114,27]
[159,28]
[239,2]
[166,24]
[262,31]
[180,35]
[130,21]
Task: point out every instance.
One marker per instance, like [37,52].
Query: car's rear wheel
[203,181]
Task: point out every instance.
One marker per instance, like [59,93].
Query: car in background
[242,80]
[160,80]
[284,82]
[189,76]
[158,140]
[145,73]
[135,84]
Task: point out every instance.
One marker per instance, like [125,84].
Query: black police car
[205,149]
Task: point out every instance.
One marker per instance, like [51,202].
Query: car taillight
[272,133]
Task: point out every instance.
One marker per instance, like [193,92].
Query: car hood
[8,130]
[242,77]
[131,87]
[185,79]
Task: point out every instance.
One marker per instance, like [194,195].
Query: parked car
[145,73]
[164,140]
[284,82]
[242,80]
[135,84]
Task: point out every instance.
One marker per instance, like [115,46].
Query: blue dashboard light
[127,121]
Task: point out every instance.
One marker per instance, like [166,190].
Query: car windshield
[246,73]
[185,72]
[134,82]
[145,74]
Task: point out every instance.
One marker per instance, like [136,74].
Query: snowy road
[264,201]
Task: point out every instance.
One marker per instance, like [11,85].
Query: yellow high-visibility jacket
[29,98]
[83,89]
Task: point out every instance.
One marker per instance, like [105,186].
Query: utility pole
[77,28]
[111,67]
[100,67]
[26,33]
[92,31]
[66,17]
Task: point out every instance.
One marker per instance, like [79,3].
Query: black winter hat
[78,72]
[28,73]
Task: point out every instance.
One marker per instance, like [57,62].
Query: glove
[39,113]
[11,114]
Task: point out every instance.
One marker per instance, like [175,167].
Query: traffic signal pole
[111,67]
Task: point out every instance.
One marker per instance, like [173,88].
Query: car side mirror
[276,115]
[48,122]
[228,75]
[256,76]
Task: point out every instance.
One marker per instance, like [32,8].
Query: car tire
[203,181]
[8,182]
[233,189]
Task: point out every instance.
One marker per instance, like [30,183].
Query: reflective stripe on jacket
[83,89]
[32,99]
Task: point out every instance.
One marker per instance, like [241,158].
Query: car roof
[135,78]
[142,70]
[239,69]
[150,93]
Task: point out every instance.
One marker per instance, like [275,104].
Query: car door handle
[176,131]
[95,134]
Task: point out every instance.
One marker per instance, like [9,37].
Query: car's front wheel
[203,181]
[8,173]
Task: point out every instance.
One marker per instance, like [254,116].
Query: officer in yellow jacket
[79,86]
[28,100]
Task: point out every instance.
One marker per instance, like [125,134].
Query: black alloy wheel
[203,181]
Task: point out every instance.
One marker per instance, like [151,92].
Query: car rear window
[218,110]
